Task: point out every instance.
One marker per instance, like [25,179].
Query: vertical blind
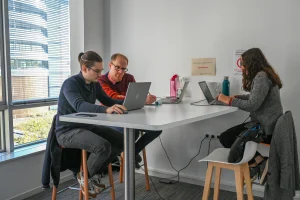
[39,48]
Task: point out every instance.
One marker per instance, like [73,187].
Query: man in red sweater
[115,84]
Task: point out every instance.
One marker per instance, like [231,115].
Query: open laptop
[208,96]
[136,95]
[175,100]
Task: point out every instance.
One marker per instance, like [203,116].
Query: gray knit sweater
[263,102]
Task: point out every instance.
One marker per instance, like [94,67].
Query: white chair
[218,159]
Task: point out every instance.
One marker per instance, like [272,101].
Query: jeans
[103,144]
[144,140]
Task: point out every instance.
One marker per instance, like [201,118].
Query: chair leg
[246,172]
[239,182]
[217,183]
[80,195]
[111,182]
[54,192]
[121,168]
[80,191]
[85,174]
[207,181]
[146,170]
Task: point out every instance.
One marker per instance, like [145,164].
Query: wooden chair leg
[207,181]
[85,174]
[80,195]
[111,182]
[121,168]
[54,192]
[80,191]
[239,182]
[146,170]
[246,172]
[217,183]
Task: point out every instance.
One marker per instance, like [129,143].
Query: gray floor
[179,191]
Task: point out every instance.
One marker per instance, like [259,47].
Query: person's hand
[150,99]
[119,109]
[224,99]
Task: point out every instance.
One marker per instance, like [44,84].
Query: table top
[154,117]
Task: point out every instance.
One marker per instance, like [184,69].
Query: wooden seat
[85,189]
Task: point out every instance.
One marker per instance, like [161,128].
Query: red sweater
[118,90]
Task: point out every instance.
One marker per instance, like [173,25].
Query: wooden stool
[85,190]
[145,167]
[241,172]
[218,159]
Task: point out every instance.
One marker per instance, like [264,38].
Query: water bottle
[226,86]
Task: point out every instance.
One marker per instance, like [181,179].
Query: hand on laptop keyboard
[116,109]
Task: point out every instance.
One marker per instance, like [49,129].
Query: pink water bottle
[173,85]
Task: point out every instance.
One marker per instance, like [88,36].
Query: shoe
[96,181]
[263,168]
[253,173]
[138,159]
[80,179]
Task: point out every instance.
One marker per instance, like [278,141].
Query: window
[32,124]
[34,62]
[39,44]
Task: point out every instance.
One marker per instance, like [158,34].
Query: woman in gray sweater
[263,101]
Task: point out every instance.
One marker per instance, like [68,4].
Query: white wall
[21,178]
[161,37]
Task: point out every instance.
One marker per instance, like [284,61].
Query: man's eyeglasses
[118,68]
[96,71]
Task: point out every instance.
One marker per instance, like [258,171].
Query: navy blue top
[78,96]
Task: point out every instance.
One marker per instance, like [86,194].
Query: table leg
[129,152]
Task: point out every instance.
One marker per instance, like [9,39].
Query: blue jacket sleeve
[73,96]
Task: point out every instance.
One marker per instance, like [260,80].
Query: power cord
[195,103]
[246,119]
[170,181]
[154,185]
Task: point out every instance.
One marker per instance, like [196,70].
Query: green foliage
[35,127]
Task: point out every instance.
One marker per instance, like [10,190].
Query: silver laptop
[208,96]
[175,100]
[136,95]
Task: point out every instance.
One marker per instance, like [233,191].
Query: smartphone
[86,115]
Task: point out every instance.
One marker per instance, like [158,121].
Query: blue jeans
[144,140]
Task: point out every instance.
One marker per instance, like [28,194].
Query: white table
[150,118]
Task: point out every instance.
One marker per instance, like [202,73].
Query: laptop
[175,100]
[208,96]
[136,95]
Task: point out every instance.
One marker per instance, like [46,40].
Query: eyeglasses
[96,71]
[118,68]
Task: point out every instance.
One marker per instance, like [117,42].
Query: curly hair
[254,61]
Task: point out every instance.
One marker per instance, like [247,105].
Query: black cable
[246,119]
[208,150]
[178,171]
[154,185]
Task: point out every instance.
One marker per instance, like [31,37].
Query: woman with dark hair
[263,102]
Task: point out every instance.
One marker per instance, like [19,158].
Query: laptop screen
[183,90]
[206,91]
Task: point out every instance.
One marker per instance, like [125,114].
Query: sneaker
[80,179]
[263,168]
[253,173]
[138,159]
[96,181]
